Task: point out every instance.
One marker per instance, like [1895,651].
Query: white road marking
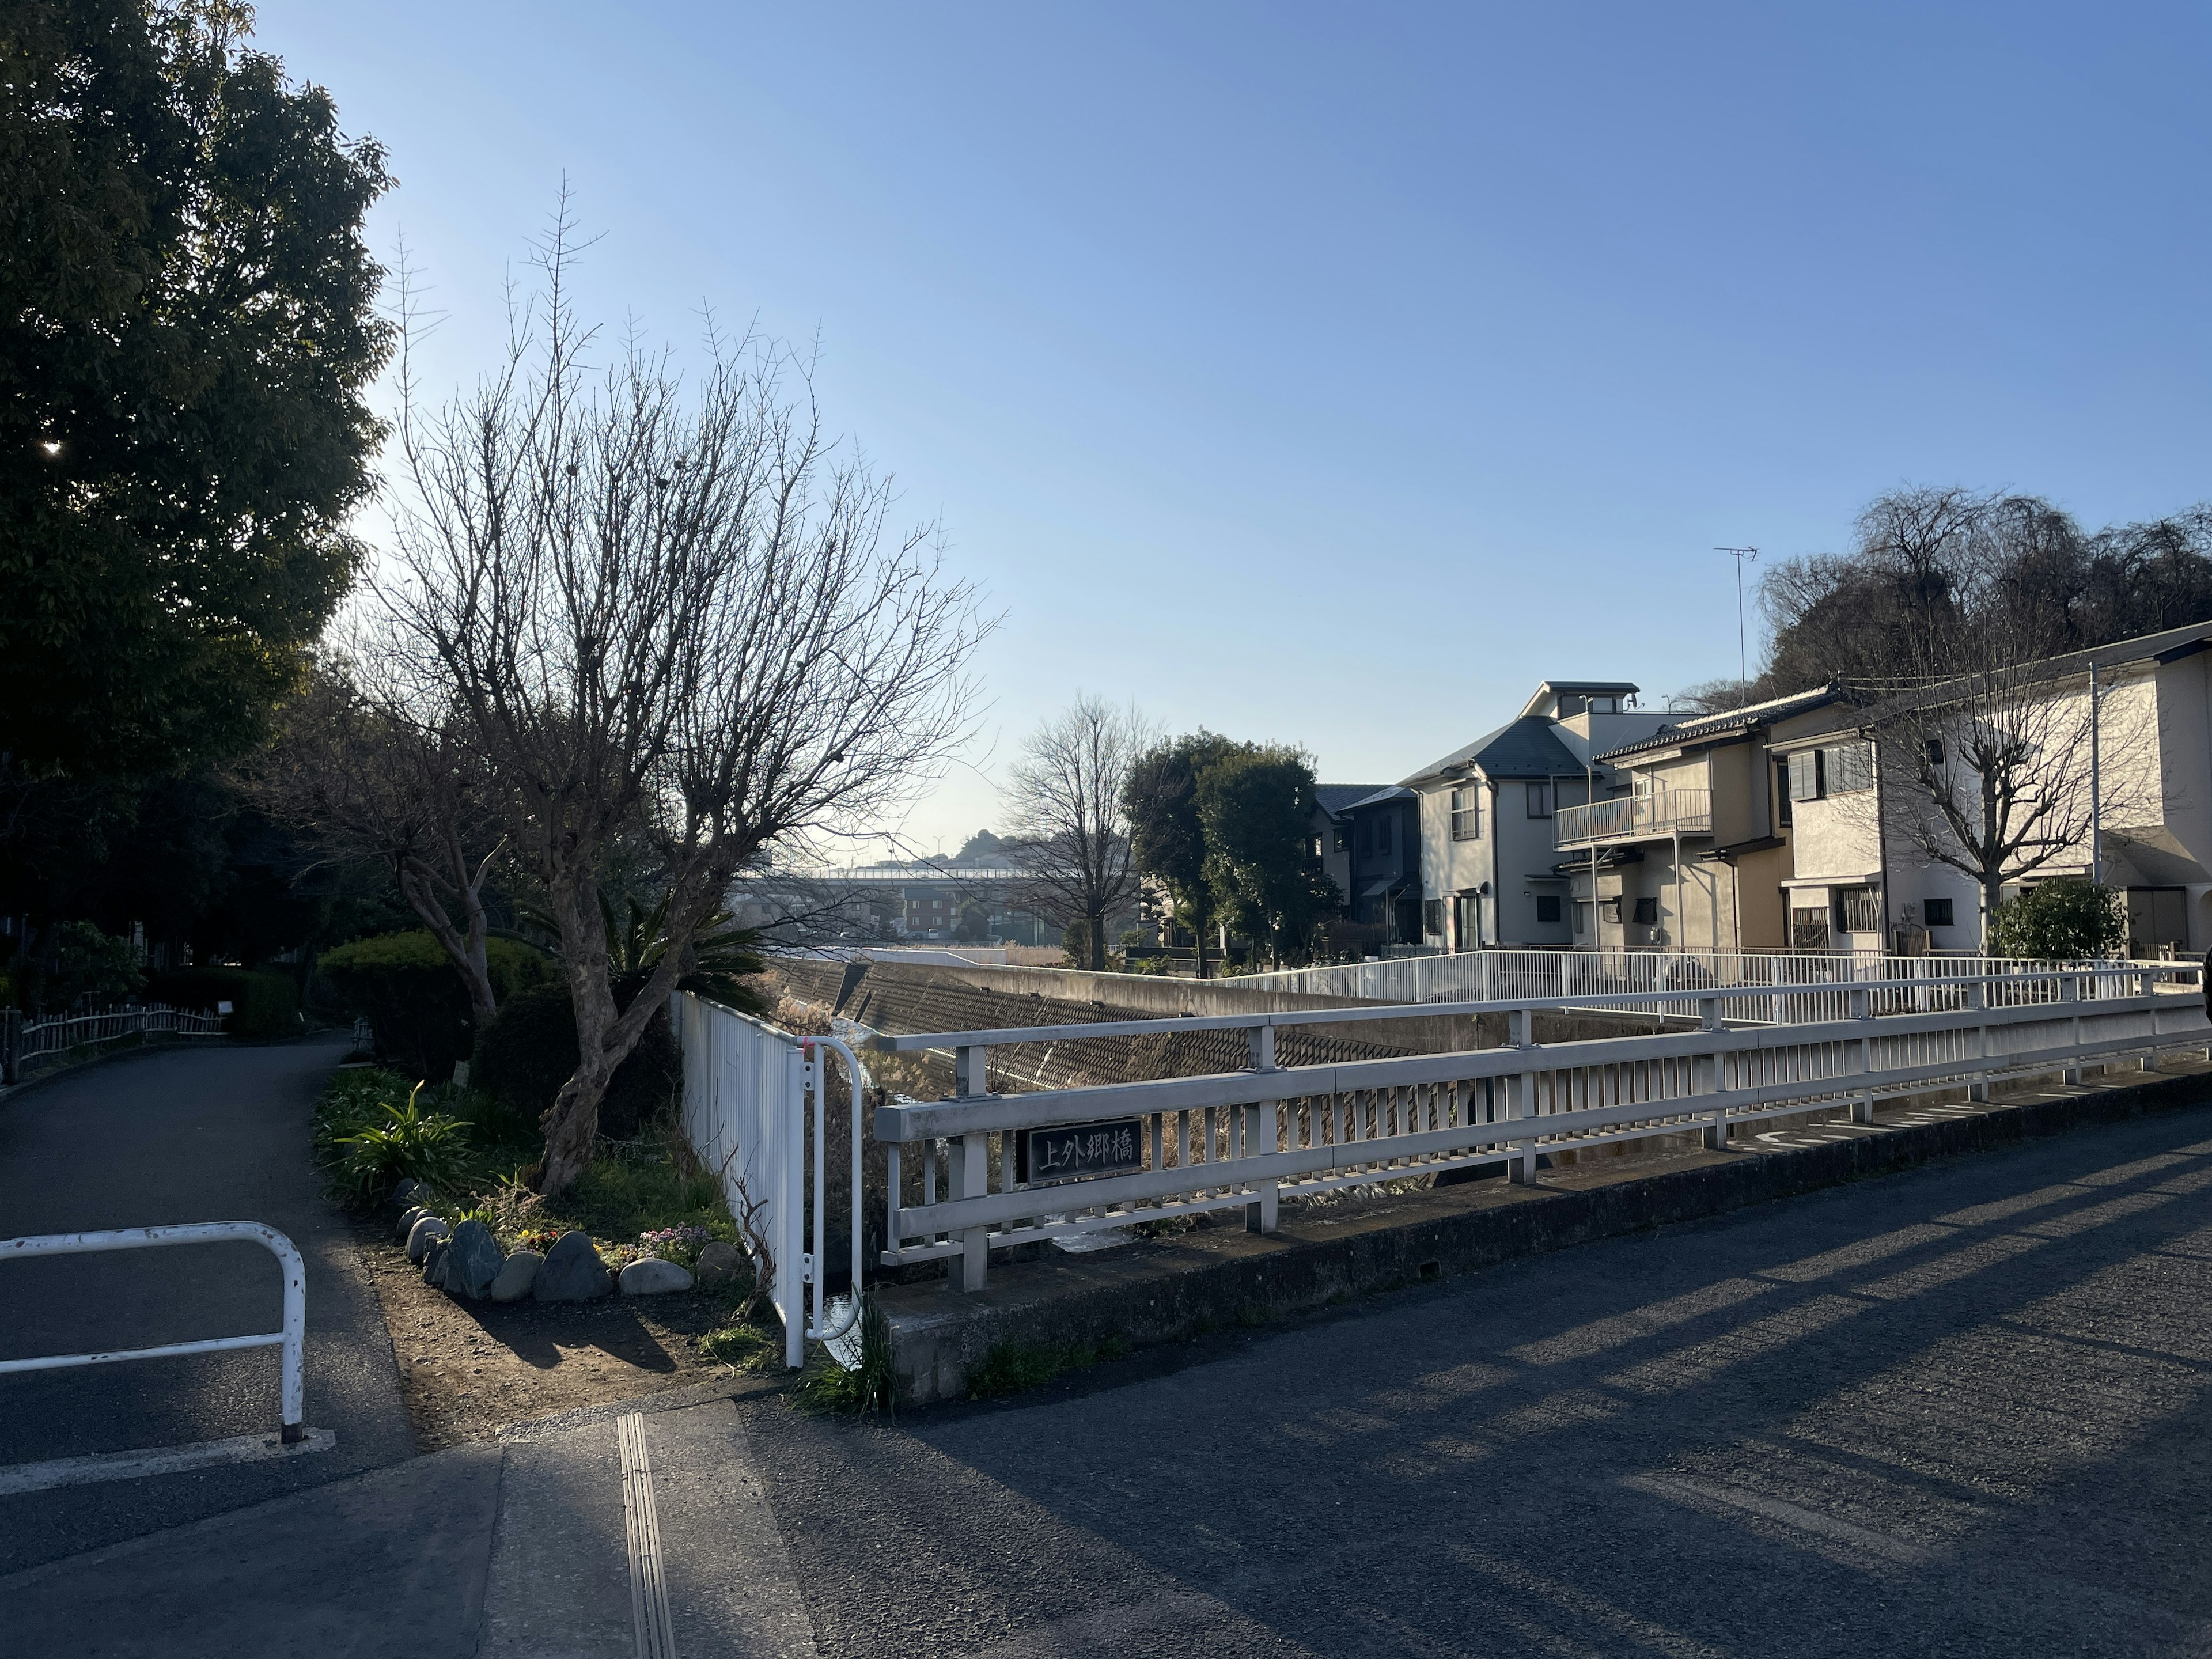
[648,1576]
[161,1460]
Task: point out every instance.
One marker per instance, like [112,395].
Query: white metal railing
[748,1088]
[20,1041]
[1170,1147]
[1624,817]
[1778,988]
[292,1337]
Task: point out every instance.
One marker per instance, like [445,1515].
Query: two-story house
[2125,774]
[1489,868]
[1694,852]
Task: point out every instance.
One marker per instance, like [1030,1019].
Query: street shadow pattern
[1961,1411]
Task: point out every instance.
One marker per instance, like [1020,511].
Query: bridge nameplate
[1070,1151]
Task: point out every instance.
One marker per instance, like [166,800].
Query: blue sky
[1334,374]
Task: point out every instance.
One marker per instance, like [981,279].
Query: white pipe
[815,1330]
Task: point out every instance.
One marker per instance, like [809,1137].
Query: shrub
[261,1005]
[405,1145]
[2066,920]
[405,986]
[531,1051]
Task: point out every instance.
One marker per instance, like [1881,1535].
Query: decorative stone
[473,1260]
[408,1217]
[407,1192]
[433,1261]
[653,1277]
[572,1271]
[419,1237]
[719,1263]
[516,1278]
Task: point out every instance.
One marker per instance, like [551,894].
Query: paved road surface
[1960,1411]
[177,1134]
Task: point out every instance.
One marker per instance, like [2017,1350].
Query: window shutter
[1804,774]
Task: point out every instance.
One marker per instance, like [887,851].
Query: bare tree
[372,781]
[669,605]
[1068,833]
[1998,764]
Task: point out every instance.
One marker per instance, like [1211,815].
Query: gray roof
[1335,798]
[1376,796]
[1523,748]
[1699,728]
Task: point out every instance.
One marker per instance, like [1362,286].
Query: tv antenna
[1742,555]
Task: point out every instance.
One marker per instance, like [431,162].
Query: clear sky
[1332,374]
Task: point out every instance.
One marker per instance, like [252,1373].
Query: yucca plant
[409,1144]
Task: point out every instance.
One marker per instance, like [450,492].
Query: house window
[1571,706]
[1380,836]
[1781,794]
[1432,918]
[1938,911]
[1605,705]
[1548,907]
[1808,928]
[1935,751]
[1344,838]
[1582,916]
[1647,911]
[1316,846]
[1608,909]
[1469,921]
[1540,804]
[1850,767]
[1808,775]
[1855,911]
[1466,814]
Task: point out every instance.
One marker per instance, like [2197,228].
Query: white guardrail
[292,1338]
[1776,988]
[1068,1161]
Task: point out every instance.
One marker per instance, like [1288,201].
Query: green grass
[828,1387]
[1011,1367]
[623,1194]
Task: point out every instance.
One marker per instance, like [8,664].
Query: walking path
[217,1134]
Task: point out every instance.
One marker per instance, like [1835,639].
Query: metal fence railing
[1666,813]
[1020,1167]
[1772,988]
[22,1041]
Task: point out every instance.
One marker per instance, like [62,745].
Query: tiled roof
[1335,797]
[1697,728]
[1523,748]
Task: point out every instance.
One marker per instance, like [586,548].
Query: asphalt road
[1961,1411]
[212,1134]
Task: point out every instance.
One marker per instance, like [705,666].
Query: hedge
[529,1051]
[261,1005]
[406,987]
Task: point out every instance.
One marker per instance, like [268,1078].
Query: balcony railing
[1632,817]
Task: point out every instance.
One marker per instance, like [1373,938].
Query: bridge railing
[1765,987]
[996,1171]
